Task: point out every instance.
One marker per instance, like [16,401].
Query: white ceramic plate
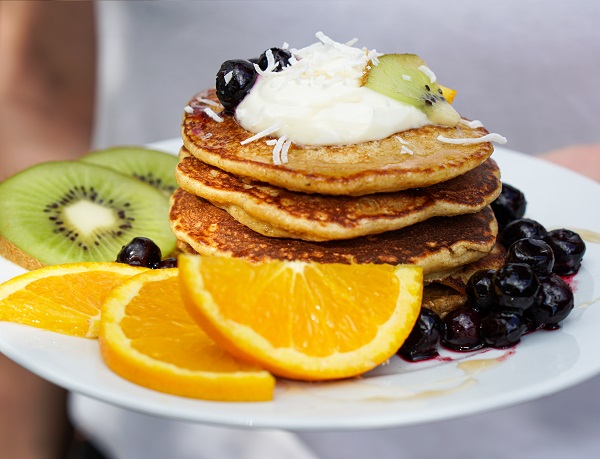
[398,393]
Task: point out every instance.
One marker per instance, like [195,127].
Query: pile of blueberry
[144,252]
[526,294]
[236,77]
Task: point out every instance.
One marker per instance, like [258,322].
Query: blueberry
[422,342]
[502,328]
[509,205]
[515,286]
[479,290]
[461,330]
[533,252]
[280,56]
[234,80]
[522,228]
[568,248]
[555,301]
[141,251]
[166,263]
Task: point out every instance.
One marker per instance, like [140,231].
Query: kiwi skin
[17,256]
[67,211]
[157,168]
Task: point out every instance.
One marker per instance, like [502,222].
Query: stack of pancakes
[409,198]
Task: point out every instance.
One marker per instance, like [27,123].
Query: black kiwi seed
[59,212]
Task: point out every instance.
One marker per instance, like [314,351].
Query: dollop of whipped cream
[318,99]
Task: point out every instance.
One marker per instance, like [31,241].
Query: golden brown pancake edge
[277,212]
[435,244]
[359,169]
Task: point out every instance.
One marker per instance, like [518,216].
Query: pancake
[276,212]
[436,244]
[457,278]
[445,291]
[352,170]
[442,299]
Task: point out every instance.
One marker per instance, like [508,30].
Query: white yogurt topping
[318,100]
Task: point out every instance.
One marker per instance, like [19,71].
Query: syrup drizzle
[366,389]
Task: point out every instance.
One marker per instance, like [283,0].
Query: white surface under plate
[398,393]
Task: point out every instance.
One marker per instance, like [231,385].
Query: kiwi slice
[154,167]
[69,211]
[405,77]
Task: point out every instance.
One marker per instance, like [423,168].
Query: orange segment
[62,298]
[147,337]
[299,320]
[448,93]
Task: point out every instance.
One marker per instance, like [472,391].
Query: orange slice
[307,321]
[147,337]
[62,298]
[448,93]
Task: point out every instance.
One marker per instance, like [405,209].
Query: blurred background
[528,70]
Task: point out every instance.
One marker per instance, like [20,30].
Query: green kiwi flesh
[68,211]
[154,167]
[398,76]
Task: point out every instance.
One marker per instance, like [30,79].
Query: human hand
[584,159]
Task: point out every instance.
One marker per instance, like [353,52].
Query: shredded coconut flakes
[265,132]
[427,71]
[277,150]
[228,76]
[466,141]
[271,64]
[213,115]
[472,124]
[284,150]
[406,150]
[188,109]
[207,102]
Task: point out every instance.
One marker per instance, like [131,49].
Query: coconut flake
[292,60]
[466,141]
[324,38]
[271,64]
[351,42]
[213,115]
[284,150]
[271,142]
[374,56]
[401,140]
[472,124]
[208,135]
[259,135]
[228,76]
[406,150]
[188,109]
[285,45]
[277,150]
[427,71]
[207,102]
[406,77]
